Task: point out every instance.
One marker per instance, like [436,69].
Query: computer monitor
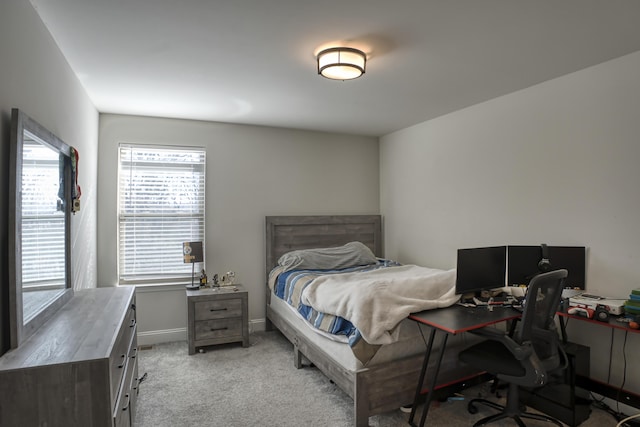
[480,269]
[522,263]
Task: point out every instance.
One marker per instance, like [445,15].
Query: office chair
[527,358]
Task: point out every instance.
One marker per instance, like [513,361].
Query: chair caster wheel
[472,409]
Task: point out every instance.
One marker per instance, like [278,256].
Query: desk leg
[433,383]
[425,363]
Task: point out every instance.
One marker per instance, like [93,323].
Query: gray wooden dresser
[217,316]
[79,369]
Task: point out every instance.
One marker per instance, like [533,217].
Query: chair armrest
[535,374]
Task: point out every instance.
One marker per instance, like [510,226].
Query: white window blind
[43,227]
[161,205]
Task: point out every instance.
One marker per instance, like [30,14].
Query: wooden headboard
[289,233]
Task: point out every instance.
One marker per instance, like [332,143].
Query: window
[160,206]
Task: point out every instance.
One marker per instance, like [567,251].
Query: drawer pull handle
[126,406]
[218,309]
[219,329]
[133,323]
[123,358]
[135,353]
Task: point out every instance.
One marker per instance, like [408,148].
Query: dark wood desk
[451,321]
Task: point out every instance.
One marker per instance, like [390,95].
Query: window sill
[164,287]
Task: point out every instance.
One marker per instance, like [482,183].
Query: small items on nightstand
[203,278]
[228,278]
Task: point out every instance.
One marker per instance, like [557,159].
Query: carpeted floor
[231,386]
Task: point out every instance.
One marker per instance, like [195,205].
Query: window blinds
[161,196]
[43,227]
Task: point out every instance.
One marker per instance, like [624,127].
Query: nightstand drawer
[218,309]
[221,328]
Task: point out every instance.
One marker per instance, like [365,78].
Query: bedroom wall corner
[555,163]
[37,79]
[252,172]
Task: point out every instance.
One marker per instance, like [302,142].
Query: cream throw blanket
[376,301]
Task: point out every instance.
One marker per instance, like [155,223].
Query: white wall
[36,78]
[556,163]
[252,172]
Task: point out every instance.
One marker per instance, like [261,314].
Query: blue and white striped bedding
[289,286]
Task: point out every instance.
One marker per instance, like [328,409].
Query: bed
[388,378]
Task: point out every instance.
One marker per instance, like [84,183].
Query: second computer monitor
[523,263]
[480,269]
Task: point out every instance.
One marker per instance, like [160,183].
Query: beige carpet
[259,386]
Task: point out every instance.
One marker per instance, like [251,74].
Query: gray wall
[556,163]
[36,78]
[252,171]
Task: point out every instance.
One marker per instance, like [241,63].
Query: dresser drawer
[124,411]
[121,351]
[220,328]
[62,376]
[218,309]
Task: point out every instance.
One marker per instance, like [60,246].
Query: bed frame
[377,389]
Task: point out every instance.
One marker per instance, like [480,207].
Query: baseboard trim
[257,325]
[160,336]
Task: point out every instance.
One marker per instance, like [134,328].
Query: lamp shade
[192,252]
[341,63]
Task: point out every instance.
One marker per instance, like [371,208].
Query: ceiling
[253,61]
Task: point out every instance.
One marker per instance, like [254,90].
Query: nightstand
[217,316]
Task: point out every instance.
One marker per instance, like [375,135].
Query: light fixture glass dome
[341,63]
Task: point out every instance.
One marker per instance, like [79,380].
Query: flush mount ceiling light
[341,63]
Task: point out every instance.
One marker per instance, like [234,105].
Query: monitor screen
[523,263]
[480,269]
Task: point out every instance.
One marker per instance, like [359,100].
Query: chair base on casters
[512,410]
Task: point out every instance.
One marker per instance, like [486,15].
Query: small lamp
[192,253]
[341,63]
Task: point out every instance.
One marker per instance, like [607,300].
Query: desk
[451,321]
[611,323]
[605,389]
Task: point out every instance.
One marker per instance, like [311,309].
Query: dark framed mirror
[39,226]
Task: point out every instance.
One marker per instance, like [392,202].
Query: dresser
[217,316]
[78,369]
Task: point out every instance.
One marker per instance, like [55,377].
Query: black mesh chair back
[537,324]
[526,358]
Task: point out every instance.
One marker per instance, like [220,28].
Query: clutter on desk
[494,298]
[613,306]
[632,305]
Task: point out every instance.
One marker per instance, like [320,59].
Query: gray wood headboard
[289,233]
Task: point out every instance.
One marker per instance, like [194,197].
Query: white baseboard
[257,325]
[180,334]
[160,336]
